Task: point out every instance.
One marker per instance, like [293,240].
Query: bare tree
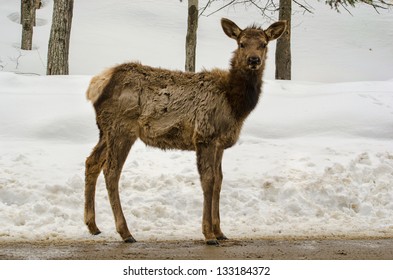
[27,21]
[376,4]
[283,49]
[191,38]
[59,41]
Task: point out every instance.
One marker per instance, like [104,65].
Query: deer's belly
[165,134]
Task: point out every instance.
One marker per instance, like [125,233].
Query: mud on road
[268,249]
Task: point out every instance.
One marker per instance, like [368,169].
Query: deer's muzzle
[254,62]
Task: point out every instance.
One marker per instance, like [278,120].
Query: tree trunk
[191,38]
[283,49]
[37,5]
[27,21]
[59,41]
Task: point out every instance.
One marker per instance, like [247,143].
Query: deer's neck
[243,92]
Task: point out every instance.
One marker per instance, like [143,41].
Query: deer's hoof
[222,237]
[130,240]
[212,242]
[93,229]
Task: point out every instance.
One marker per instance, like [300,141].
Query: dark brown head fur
[248,63]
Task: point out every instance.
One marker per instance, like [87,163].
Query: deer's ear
[276,30]
[230,28]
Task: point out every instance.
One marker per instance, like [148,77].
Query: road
[268,249]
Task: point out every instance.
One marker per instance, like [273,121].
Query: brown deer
[202,112]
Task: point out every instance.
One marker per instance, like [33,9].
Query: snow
[314,159]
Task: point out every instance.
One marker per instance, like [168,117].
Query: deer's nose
[254,60]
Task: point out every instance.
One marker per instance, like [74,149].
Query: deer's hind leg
[119,145]
[94,164]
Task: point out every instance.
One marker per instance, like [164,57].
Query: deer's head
[252,42]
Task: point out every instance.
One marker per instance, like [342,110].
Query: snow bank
[313,160]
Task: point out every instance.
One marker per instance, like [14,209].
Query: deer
[202,112]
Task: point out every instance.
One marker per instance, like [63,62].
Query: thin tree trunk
[27,21]
[283,49]
[59,41]
[37,5]
[191,38]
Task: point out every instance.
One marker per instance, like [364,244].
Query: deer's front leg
[216,195]
[209,163]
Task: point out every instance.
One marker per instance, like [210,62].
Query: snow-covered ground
[314,158]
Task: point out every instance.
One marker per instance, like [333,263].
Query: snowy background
[314,159]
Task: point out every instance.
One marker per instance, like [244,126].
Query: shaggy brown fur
[167,109]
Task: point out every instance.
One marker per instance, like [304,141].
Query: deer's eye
[262,46]
[241,45]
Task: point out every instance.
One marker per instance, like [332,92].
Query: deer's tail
[98,84]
